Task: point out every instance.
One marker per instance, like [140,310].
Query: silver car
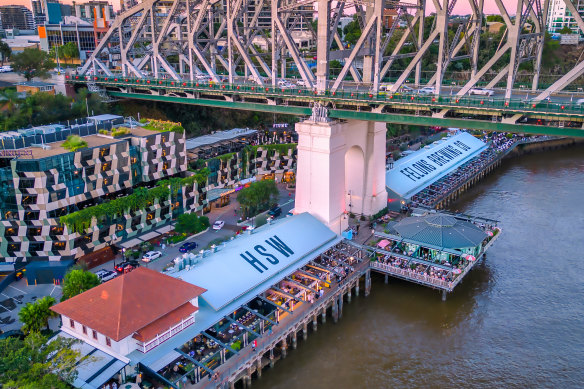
[481,92]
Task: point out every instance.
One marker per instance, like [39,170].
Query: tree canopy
[78,281]
[191,223]
[42,108]
[5,51]
[35,363]
[32,62]
[35,316]
[258,197]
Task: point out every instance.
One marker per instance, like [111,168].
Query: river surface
[517,321]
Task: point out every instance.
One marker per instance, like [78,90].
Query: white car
[481,92]
[427,90]
[5,69]
[105,275]
[218,225]
[151,255]
[59,70]
[300,82]
[283,84]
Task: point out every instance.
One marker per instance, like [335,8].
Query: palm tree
[35,316]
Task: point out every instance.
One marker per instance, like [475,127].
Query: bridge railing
[438,101]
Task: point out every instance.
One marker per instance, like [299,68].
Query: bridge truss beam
[258,41]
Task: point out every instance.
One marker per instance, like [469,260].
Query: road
[227,214]
[561,97]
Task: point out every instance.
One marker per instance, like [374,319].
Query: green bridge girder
[352,105]
[364,115]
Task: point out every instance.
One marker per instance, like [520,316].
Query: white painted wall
[335,158]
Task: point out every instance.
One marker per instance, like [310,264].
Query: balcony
[144,347]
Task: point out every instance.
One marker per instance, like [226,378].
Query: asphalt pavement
[229,214]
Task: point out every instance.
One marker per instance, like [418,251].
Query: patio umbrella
[490,233]
[383,244]
[457,271]
[470,258]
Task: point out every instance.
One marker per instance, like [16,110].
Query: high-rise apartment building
[16,16]
[560,17]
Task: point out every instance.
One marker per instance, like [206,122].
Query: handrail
[413,275]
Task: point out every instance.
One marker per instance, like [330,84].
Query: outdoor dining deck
[201,356]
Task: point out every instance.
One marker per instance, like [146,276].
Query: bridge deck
[481,113]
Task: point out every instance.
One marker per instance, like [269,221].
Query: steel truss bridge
[159,49]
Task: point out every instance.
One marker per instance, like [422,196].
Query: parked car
[5,69]
[275,211]
[126,266]
[481,92]
[427,90]
[151,255]
[300,83]
[218,225]
[59,70]
[105,275]
[188,246]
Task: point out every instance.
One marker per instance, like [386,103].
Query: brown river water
[517,321]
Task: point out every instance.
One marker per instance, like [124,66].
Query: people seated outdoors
[413,268]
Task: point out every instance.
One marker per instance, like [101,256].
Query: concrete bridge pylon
[341,168]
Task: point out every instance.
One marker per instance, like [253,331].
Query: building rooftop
[37,84]
[46,141]
[302,233]
[440,230]
[128,303]
[246,263]
[218,136]
[57,147]
[421,169]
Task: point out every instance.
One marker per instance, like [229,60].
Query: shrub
[74,143]
[120,131]
[176,238]
[103,132]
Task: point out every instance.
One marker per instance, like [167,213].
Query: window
[57,246]
[94,334]
[11,231]
[26,183]
[58,195]
[12,247]
[29,199]
[71,323]
[33,231]
[31,215]
[36,246]
[108,342]
[84,330]
[56,231]
[104,152]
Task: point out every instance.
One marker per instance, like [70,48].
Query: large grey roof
[217,137]
[440,230]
